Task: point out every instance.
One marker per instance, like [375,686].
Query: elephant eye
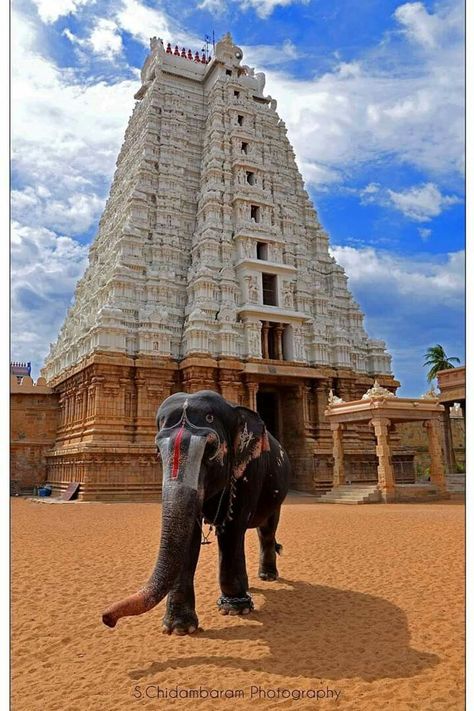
[209,418]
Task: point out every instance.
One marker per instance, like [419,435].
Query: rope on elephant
[205,538]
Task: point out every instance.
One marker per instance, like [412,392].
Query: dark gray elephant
[220,466]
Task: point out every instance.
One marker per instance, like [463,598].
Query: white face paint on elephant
[182,460]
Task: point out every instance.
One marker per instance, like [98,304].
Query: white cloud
[411,302]
[50,10]
[423,202]
[382,106]
[420,26]
[65,135]
[218,6]
[420,203]
[405,278]
[371,193]
[74,213]
[268,55]
[45,269]
[264,8]
[144,22]
[104,39]
[424,233]
[319,174]
[65,139]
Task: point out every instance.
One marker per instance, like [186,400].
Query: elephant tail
[279,548]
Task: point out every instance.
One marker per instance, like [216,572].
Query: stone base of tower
[106,434]
[108,404]
[107,473]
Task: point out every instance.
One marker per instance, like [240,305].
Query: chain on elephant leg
[235,605]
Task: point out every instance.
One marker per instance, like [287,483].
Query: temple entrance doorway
[281,408]
[268,407]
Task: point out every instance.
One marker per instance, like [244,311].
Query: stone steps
[352,494]
[136,493]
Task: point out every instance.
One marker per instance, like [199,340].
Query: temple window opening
[255,213]
[269,289]
[262,250]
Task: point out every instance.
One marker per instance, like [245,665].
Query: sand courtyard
[368,613]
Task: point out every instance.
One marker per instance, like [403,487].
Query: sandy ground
[368,613]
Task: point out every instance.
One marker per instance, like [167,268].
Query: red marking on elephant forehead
[176,453]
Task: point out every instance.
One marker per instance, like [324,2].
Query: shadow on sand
[315,631]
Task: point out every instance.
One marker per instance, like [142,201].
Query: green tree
[438,360]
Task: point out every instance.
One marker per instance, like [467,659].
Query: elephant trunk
[182,501]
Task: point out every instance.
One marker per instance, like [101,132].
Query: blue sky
[373,99]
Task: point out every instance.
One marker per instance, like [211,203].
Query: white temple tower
[210,269]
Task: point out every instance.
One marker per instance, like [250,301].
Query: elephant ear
[250,441]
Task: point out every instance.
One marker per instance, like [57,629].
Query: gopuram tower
[210,270]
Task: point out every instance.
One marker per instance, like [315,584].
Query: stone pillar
[229,386]
[62,409]
[85,408]
[321,393]
[386,476]
[252,389]
[139,404]
[97,381]
[279,341]
[305,392]
[265,328]
[91,401]
[437,473]
[339,477]
[450,456]
[79,403]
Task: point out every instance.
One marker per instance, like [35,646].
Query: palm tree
[438,360]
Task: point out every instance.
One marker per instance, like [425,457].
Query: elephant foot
[235,605]
[181,623]
[268,575]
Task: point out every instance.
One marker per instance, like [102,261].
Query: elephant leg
[235,598]
[267,569]
[180,617]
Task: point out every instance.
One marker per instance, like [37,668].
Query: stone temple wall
[34,412]
[413,435]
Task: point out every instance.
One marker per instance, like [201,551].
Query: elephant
[220,467]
